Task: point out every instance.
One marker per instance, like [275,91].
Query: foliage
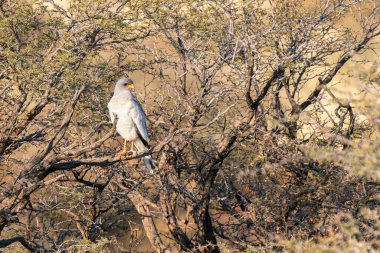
[257,146]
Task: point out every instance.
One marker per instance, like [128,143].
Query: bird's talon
[120,155]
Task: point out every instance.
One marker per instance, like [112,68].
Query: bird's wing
[112,116]
[139,119]
[111,108]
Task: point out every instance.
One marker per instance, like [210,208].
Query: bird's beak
[129,86]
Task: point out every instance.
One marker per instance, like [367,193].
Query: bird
[131,120]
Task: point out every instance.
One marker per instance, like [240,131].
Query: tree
[239,100]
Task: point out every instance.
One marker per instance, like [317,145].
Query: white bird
[131,123]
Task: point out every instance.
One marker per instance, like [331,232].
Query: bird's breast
[121,105]
[126,128]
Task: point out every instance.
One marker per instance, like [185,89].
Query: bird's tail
[148,163]
[142,147]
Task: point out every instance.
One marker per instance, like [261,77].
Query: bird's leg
[132,150]
[124,152]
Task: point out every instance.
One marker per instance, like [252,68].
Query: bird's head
[124,84]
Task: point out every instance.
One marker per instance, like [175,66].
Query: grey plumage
[131,124]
